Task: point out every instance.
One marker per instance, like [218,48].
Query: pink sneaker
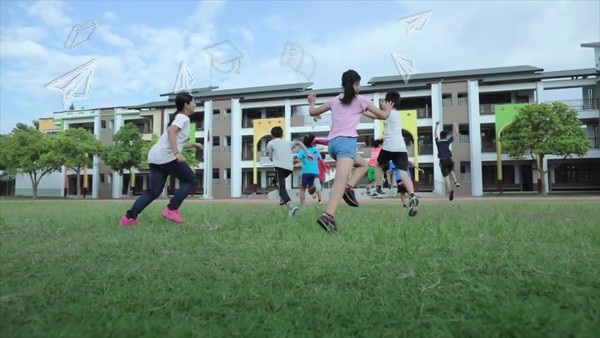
[127,222]
[172,215]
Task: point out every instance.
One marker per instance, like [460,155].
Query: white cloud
[246,33]
[49,11]
[142,61]
[110,16]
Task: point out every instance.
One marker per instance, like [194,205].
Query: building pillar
[539,92]
[287,115]
[377,133]
[545,180]
[475,138]
[117,180]
[236,148]
[263,179]
[208,150]
[96,160]
[437,114]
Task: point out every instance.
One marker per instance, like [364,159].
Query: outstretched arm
[315,111]
[435,132]
[381,114]
[455,132]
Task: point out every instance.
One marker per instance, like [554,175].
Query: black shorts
[400,159]
[447,165]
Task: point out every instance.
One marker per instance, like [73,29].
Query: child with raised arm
[346,110]
[394,149]
[280,152]
[310,168]
[445,155]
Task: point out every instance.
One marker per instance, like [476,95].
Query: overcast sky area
[136,48]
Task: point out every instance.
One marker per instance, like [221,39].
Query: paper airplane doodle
[223,54]
[80,33]
[417,22]
[296,58]
[185,79]
[74,85]
[405,66]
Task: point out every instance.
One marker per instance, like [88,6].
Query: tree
[545,129]
[29,152]
[24,126]
[76,147]
[126,152]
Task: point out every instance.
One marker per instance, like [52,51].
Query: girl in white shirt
[165,158]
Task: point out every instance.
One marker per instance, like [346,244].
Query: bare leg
[453,175]
[302,192]
[360,170]
[408,183]
[343,168]
[448,185]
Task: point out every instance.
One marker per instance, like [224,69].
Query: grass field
[464,269]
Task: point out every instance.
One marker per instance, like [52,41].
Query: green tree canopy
[545,129]
[126,151]
[75,148]
[28,151]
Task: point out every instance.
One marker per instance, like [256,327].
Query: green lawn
[461,269]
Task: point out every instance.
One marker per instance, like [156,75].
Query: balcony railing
[579,105]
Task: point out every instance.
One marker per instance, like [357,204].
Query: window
[228,173]
[216,141]
[446,100]
[216,111]
[463,99]
[103,124]
[228,140]
[216,174]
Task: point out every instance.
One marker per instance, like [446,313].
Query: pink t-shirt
[374,154]
[344,119]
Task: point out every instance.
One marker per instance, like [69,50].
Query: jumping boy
[445,155]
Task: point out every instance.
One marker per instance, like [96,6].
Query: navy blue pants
[158,178]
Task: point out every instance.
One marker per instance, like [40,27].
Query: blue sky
[138,46]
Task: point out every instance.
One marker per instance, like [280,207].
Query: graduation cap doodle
[80,33]
[223,54]
[405,66]
[416,22]
[184,80]
[296,58]
[74,85]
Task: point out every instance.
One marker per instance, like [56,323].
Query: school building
[234,126]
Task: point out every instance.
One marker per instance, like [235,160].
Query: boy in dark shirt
[445,155]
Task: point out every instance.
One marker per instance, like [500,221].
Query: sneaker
[293,211]
[451,197]
[320,203]
[172,215]
[377,195]
[413,206]
[327,223]
[349,197]
[127,222]
[456,184]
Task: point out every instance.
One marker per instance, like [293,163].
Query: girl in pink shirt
[346,110]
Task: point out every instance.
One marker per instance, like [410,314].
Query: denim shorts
[342,147]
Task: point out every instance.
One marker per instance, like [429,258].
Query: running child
[280,152]
[445,155]
[372,164]
[165,159]
[346,110]
[394,149]
[310,168]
